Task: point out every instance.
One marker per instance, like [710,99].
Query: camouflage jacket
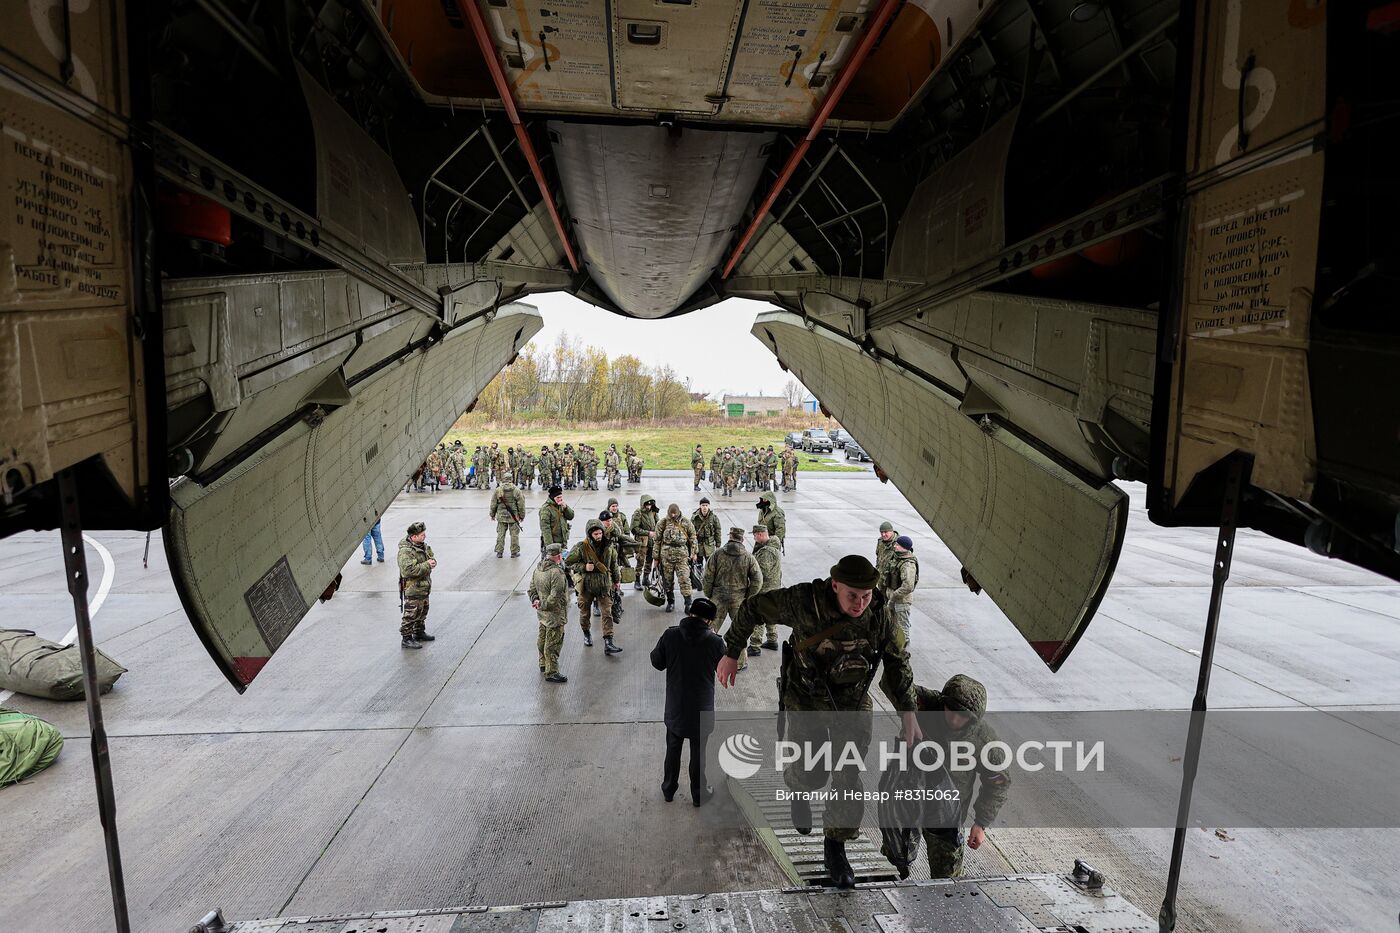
[434,463]
[900,576]
[611,460]
[457,458]
[697,459]
[833,657]
[774,519]
[554,524]
[732,574]
[730,467]
[619,536]
[551,588]
[707,531]
[884,550]
[414,571]
[546,462]
[507,504]
[715,462]
[994,786]
[770,561]
[605,573]
[643,519]
[676,534]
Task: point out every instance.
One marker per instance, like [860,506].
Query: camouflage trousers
[901,615]
[842,816]
[514,528]
[605,611]
[551,640]
[728,609]
[945,853]
[762,474]
[675,565]
[699,474]
[763,632]
[729,483]
[415,616]
[612,477]
[790,479]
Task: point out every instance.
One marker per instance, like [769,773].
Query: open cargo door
[81,379]
[252,550]
[1040,540]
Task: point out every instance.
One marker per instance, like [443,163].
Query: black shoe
[801,812]
[610,646]
[771,644]
[499,556]
[587,639]
[541,668]
[515,555]
[366,562]
[703,796]
[381,559]
[668,795]
[754,652]
[410,642]
[424,636]
[556,678]
[687,604]
[838,867]
[671,606]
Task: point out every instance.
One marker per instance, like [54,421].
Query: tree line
[574,382]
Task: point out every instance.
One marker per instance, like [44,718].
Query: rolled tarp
[42,668]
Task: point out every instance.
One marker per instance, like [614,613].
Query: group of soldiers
[488,466]
[753,470]
[844,628]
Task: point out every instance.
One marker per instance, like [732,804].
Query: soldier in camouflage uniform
[493,468]
[751,469]
[508,509]
[732,576]
[729,470]
[526,467]
[707,531]
[637,464]
[549,595]
[715,461]
[772,517]
[770,563]
[789,468]
[610,464]
[622,535]
[478,469]
[566,467]
[842,631]
[955,714]
[884,546]
[457,465]
[436,464]
[697,465]
[675,555]
[416,563]
[644,530]
[760,470]
[554,520]
[773,469]
[592,469]
[900,577]
[595,560]
[546,467]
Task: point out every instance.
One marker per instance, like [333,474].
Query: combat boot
[801,812]
[670,602]
[410,642]
[587,638]
[687,604]
[424,636]
[610,646]
[838,867]
[771,644]
[556,678]
[753,651]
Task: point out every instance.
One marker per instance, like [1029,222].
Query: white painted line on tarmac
[109,572]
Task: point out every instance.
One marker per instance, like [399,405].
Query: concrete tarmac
[354,775]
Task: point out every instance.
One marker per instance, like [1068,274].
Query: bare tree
[795,393]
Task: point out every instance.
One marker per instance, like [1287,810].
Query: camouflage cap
[550,550]
[736,534]
[758,528]
[855,571]
[417,528]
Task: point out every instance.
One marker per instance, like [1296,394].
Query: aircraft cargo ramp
[1014,904]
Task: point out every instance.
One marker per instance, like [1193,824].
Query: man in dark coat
[688,654]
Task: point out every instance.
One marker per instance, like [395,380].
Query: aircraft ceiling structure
[1024,250]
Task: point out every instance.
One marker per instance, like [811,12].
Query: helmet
[653,594]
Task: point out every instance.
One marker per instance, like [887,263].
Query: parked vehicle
[840,437]
[816,439]
[856,452]
[795,439]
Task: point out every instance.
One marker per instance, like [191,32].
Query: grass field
[662,448]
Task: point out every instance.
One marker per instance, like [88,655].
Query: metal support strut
[75,565]
[1224,549]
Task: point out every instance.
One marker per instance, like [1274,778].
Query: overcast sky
[712,346]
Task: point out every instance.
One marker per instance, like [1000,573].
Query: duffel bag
[42,668]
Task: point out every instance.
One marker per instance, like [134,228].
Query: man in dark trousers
[688,654]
